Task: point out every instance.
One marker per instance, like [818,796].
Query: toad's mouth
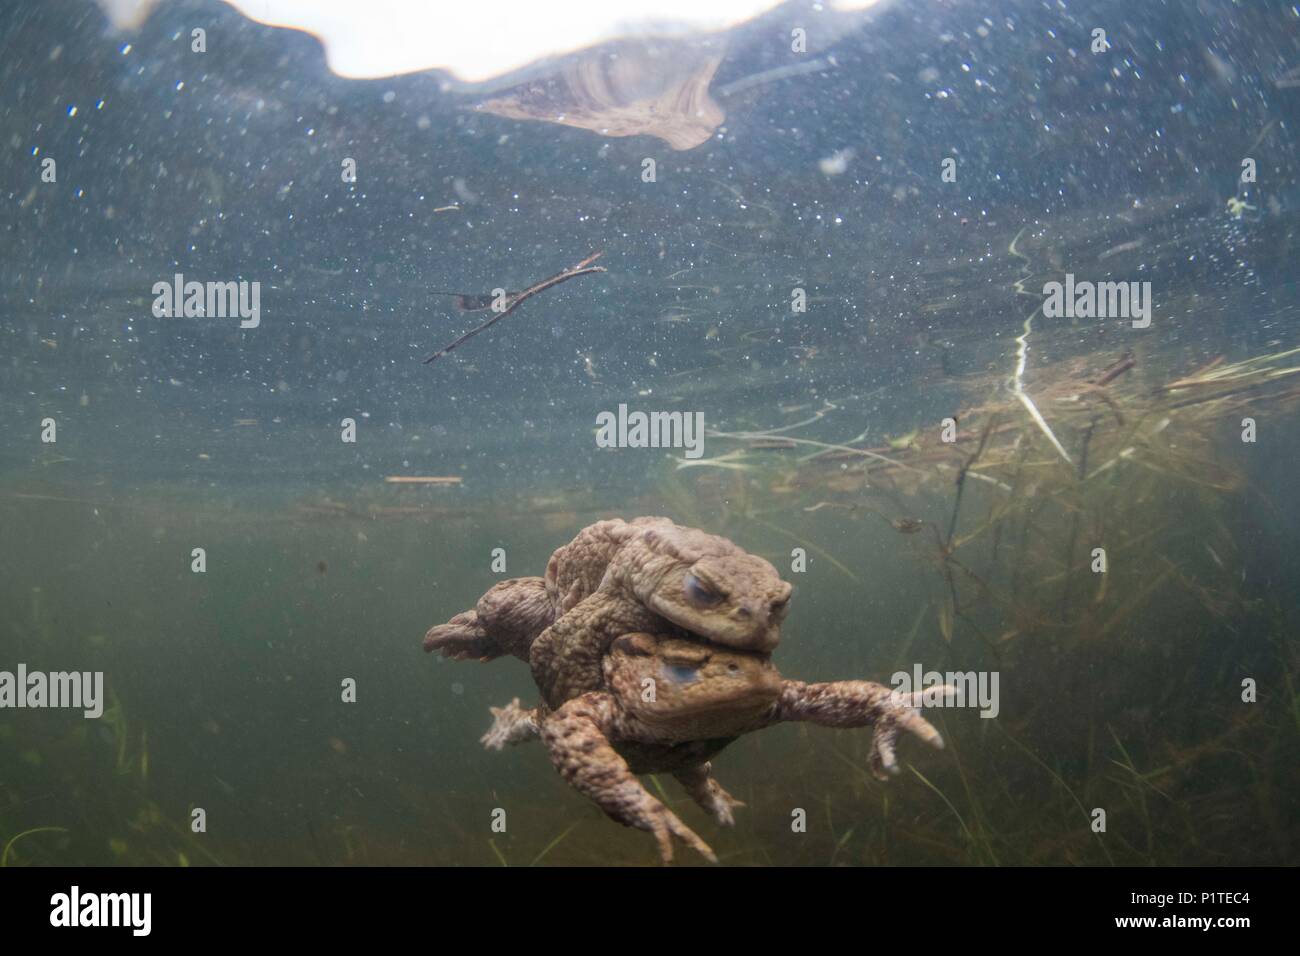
[698,693]
[756,697]
[721,615]
[700,648]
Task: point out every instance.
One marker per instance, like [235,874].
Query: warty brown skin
[510,616]
[616,577]
[672,704]
[661,578]
[506,620]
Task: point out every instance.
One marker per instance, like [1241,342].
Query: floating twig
[423,479]
[511,300]
[866,453]
[1116,369]
[733,459]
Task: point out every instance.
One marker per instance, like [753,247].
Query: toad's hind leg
[506,620]
[583,755]
[708,793]
[566,659]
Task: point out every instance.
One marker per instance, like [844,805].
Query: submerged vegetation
[88,778]
[1117,588]
[1092,544]
[827,276]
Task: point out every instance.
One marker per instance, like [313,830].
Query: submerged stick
[961,481]
[1080,474]
[476,303]
[1115,370]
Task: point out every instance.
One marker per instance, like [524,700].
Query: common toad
[670,705]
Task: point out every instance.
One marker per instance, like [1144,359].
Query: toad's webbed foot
[897,713]
[462,639]
[512,724]
[708,793]
[859,703]
[583,755]
[506,620]
[663,824]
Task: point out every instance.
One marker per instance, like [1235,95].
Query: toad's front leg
[576,737]
[860,703]
[511,724]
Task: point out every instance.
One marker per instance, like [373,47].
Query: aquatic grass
[852,764]
[1026,813]
[975,843]
[921,614]
[830,819]
[840,843]
[1137,600]
[187,838]
[4,858]
[885,844]
[825,446]
[1083,813]
[1128,764]
[731,855]
[977,811]
[839,565]
[114,717]
[553,844]
[659,787]
[1293,698]
[1140,790]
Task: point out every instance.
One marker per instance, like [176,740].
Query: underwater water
[809,281]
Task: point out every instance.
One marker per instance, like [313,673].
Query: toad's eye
[681,673]
[699,593]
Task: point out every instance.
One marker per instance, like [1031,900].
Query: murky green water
[224,687]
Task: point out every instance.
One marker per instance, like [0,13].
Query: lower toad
[671,704]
